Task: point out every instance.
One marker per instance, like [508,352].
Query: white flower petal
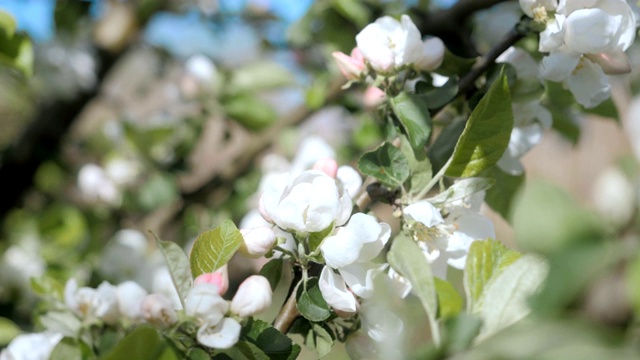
[335,292]
[558,66]
[591,31]
[423,212]
[222,335]
[588,84]
[360,276]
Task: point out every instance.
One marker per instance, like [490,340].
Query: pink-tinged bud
[219,278]
[157,310]
[262,211]
[373,97]
[257,241]
[352,67]
[612,62]
[253,296]
[328,166]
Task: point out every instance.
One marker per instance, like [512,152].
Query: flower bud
[373,97]
[219,278]
[156,309]
[253,296]
[328,166]
[612,62]
[222,335]
[352,67]
[257,241]
[204,303]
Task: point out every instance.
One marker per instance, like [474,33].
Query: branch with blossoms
[453,131]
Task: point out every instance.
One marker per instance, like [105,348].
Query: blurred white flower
[95,185]
[34,346]
[156,309]
[130,296]
[614,196]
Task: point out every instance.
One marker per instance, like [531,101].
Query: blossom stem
[435,179]
[289,311]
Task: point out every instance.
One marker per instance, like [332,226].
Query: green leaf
[143,343]
[197,354]
[606,109]
[251,351]
[46,286]
[385,163]
[572,270]
[443,147]
[17,51]
[486,134]
[271,341]
[320,338]
[259,76]
[460,332]
[419,165]
[315,238]
[500,197]
[505,297]
[63,322]
[250,111]
[486,259]
[71,349]
[407,259]
[449,300]
[454,65]
[7,24]
[8,331]
[310,302]
[354,11]
[273,272]
[214,248]
[437,97]
[546,219]
[461,189]
[632,278]
[179,266]
[414,117]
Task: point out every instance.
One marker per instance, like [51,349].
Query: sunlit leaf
[214,248]
[179,266]
[413,114]
[385,163]
[310,302]
[486,134]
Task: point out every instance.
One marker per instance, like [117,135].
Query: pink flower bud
[219,278]
[612,62]
[328,166]
[373,97]
[257,241]
[352,67]
[157,310]
[253,296]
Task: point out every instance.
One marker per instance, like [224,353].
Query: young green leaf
[407,259]
[143,343]
[310,302]
[259,76]
[437,97]
[419,165]
[506,296]
[250,111]
[8,331]
[17,51]
[387,164]
[486,259]
[273,272]
[414,117]
[179,267]
[214,248]
[449,300]
[7,24]
[500,196]
[461,189]
[269,340]
[486,134]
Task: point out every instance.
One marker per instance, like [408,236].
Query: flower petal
[335,292]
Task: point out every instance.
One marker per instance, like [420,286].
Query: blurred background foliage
[158,116]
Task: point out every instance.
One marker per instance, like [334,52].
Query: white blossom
[221,335]
[389,44]
[89,303]
[156,309]
[257,241]
[533,7]
[310,203]
[34,346]
[130,296]
[253,296]
[350,250]
[582,36]
[204,303]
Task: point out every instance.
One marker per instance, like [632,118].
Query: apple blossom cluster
[387,46]
[585,41]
